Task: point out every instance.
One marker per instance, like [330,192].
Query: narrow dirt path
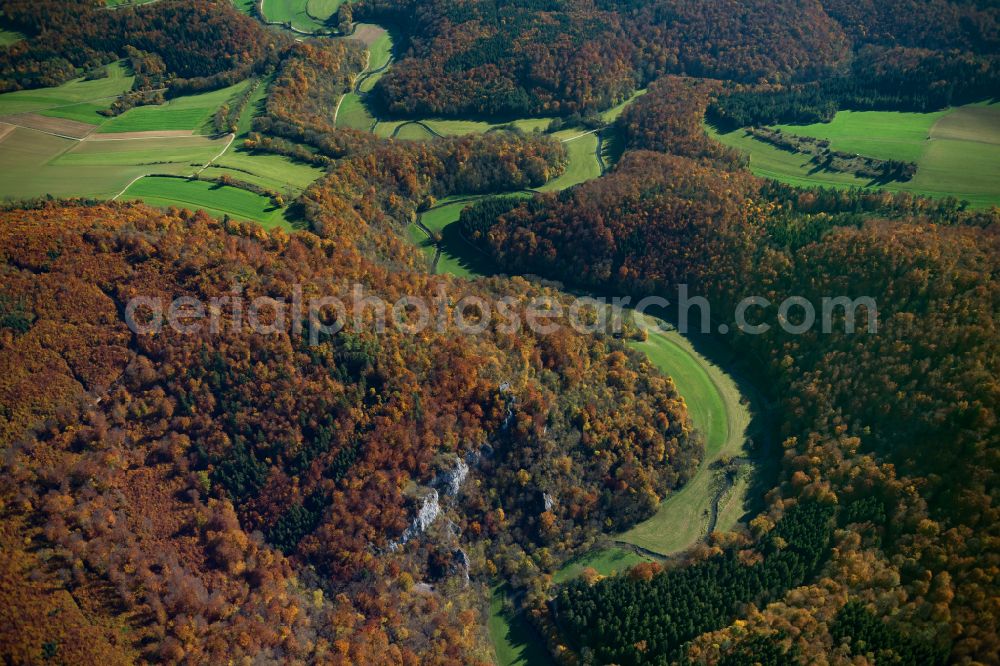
[232,137]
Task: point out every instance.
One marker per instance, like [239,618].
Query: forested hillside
[203,43]
[525,58]
[190,485]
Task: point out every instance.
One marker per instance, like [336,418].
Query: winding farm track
[418,123]
[367,74]
[430,236]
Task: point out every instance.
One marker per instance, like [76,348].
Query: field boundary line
[130,184]
[159,137]
[41,131]
[579,136]
[232,137]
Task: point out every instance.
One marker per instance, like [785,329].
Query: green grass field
[214,199]
[254,107]
[886,135]
[449,127]
[8,37]
[462,127]
[957,151]
[673,355]
[514,640]
[380,44]
[611,115]
[149,153]
[275,172]
[190,112]
[353,114]
[718,412]
[606,562]
[85,112]
[582,160]
[34,164]
[322,10]
[444,127]
[379,50]
[457,256]
[292,12]
[55,101]
[413,132]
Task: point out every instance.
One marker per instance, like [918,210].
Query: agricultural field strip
[8,121]
[954,151]
[92,137]
[56,107]
[232,137]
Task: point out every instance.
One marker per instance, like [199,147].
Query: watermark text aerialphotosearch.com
[321,316]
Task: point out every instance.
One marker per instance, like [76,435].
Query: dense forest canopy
[181,443]
[207,42]
[529,58]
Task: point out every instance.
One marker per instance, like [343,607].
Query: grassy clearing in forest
[611,115]
[458,257]
[607,561]
[353,113]
[957,151]
[190,112]
[8,37]
[293,12]
[322,10]
[718,411]
[413,132]
[59,101]
[514,640]
[275,172]
[216,200]
[582,164]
